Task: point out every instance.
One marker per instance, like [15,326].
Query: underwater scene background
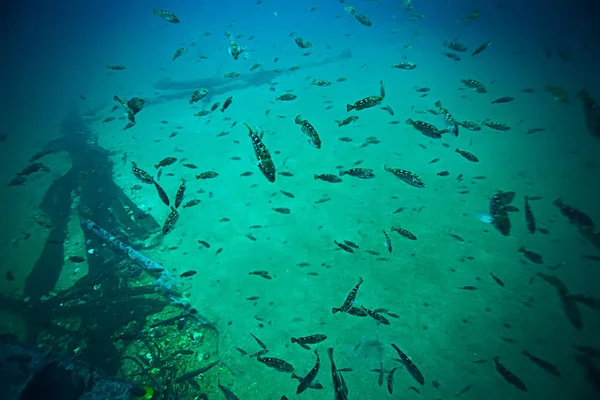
[323,199]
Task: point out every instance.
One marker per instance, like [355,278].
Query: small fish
[276,363]
[451,123]
[339,385]
[362,173]
[456,46]
[178,53]
[306,340]
[227,103]
[425,128]
[410,366]
[469,156]
[406,176]
[455,236]
[388,109]
[529,217]
[169,224]
[344,246]
[188,274]
[265,162]
[363,19]
[473,84]
[256,65]
[535,130]
[509,376]
[309,379]
[198,95]
[259,342]
[165,162]
[116,67]
[376,316]
[505,99]
[166,15]
[348,302]
[229,395]
[207,175]
[481,48]
[497,280]
[388,241]
[180,194]
[162,194]
[543,364]
[347,121]
[331,178]
[191,166]
[191,203]
[469,287]
[452,56]
[382,90]
[390,381]
[108,119]
[286,97]
[367,102]
[531,255]
[405,65]
[282,210]
[404,232]
[262,274]
[140,174]
[309,131]
[498,126]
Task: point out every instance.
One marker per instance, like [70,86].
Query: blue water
[54,70]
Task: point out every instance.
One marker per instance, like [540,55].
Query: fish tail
[349,107]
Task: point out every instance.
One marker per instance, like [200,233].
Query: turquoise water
[273,258]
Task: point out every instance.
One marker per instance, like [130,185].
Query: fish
[234,49]
[404,232]
[231,75]
[276,363]
[388,241]
[165,162]
[380,371]
[481,48]
[286,97]
[229,395]
[590,301]
[339,385]
[497,280]
[312,339]
[509,376]
[259,342]
[388,109]
[309,131]
[405,65]
[390,381]
[188,274]
[376,316]
[591,112]
[529,218]
[456,46]
[131,107]
[227,103]
[452,56]
[473,84]
[349,298]
[198,95]
[178,53]
[589,350]
[166,15]
[282,210]
[531,255]
[543,364]
[367,102]
[321,82]
[363,19]
[498,126]
[382,90]
[207,175]
[301,43]
[347,121]
[469,156]
[162,194]
[265,162]
[308,380]
[451,123]
[499,216]
[505,99]
[344,246]
[472,126]
[180,194]
[170,222]
[140,174]
[575,216]
[425,128]
[331,178]
[571,310]
[116,67]
[535,130]
[362,173]
[406,176]
[410,366]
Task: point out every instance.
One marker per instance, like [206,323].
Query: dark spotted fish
[574,215]
[140,174]
[339,385]
[406,176]
[331,178]
[376,316]
[265,162]
[309,131]
[349,299]
[505,99]
[410,366]
[170,222]
[543,364]
[380,371]
[306,340]
[162,194]
[481,48]
[388,242]
[425,128]
[308,380]
[451,123]
[166,15]
[367,102]
[180,194]
[531,255]
[344,246]
[165,162]
[509,376]
[390,381]
[362,173]
[229,395]
[407,234]
[276,363]
[469,156]
[529,218]
[500,218]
